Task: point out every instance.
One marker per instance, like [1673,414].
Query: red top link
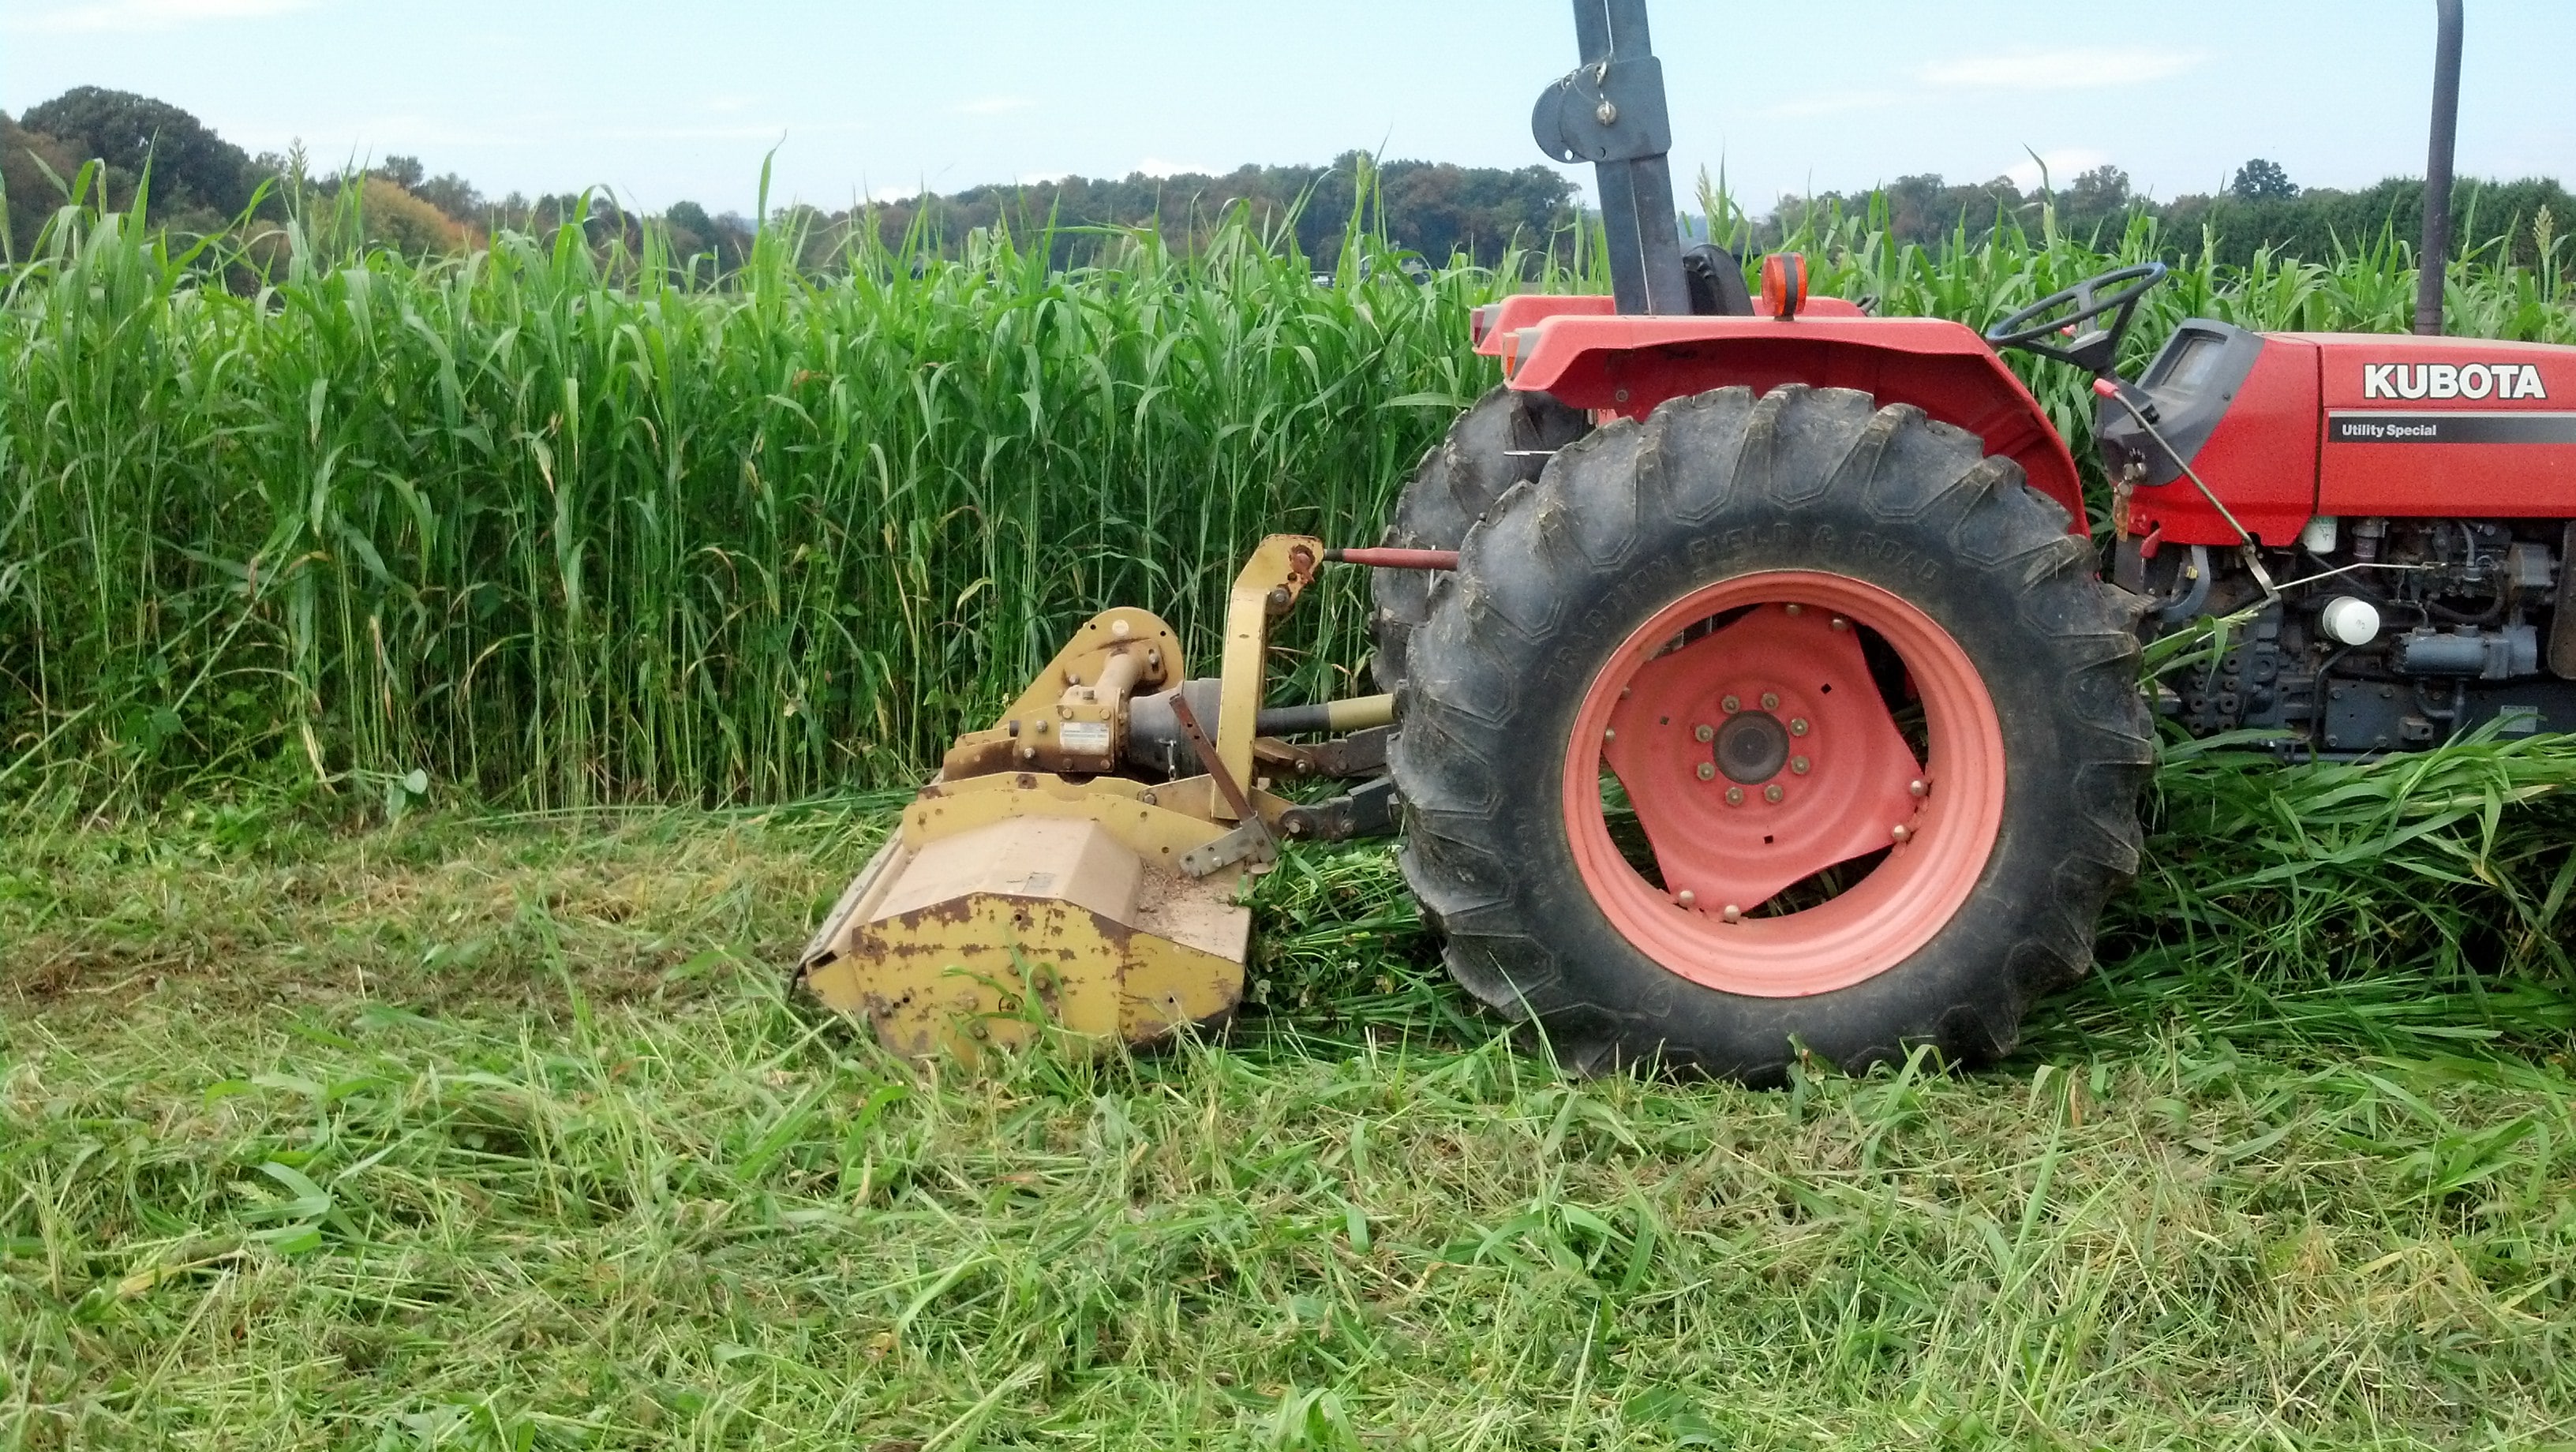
[1396,559]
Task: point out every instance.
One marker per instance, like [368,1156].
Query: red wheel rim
[1680,725]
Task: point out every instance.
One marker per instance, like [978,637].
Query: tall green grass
[544,526]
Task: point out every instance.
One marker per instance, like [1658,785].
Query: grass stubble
[502,1132]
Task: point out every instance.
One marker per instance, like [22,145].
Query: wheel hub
[1787,660]
[1752,747]
[1775,689]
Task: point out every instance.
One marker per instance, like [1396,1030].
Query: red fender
[1588,357]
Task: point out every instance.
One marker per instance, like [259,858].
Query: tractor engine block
[2384,635]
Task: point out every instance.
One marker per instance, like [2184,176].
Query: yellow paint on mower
[1029,890]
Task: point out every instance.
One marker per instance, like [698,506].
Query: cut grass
[502,1133]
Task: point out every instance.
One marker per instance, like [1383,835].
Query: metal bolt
[1703,732]
[1730,705]
[1797,725]
[1619,396]
[1707,769]
[1688,898]
[1731,913]
[1841,624]
[1626,691]
[1120,629]
[1798,764]
[1147,797]
[1902,833]
[1770,700]
[1735,796]
[1918,788]
[1606,113]
[1611,734]
[1043,724]
[1772,793]
[1797,609]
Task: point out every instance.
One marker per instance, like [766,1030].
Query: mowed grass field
[503,1132]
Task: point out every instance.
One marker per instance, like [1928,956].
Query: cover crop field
[636,607]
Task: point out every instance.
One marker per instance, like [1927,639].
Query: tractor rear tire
[1503,439]
[1796,516]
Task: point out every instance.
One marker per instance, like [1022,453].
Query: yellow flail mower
[1077,864]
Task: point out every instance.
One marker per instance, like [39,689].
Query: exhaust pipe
[2434,258]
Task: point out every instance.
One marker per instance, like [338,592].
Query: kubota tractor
[1754,681]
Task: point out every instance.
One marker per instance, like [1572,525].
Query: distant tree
[2261,181]
[453,195]
[25,158]
[693,232]
[390,218]
[2104,188]
[1921,209]
[189,164]
[405,172]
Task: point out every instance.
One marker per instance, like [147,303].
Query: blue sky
[664,101]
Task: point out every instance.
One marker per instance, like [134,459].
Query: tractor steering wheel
[2061,312]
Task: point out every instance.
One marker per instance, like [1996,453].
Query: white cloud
[1158,166]
[1836,103]
[2064,165]
[993,106]
[2057,70]
[142,15]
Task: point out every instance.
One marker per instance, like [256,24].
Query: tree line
[203,184]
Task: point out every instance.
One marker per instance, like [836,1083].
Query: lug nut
[1770,700]
[1707,769]
[1688,898]
[1798,764]
[1612,734]
[1772,793]
[1735,796]
[1797,609]
[1841,624]
[1703,732]
[1797,725]
[1730,705]
[1917,787]
[1731,913]
[1902,833]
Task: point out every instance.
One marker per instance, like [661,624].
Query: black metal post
[1610,111]
[2433,261]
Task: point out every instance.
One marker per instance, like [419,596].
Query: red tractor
[1757,683]
[1777,695]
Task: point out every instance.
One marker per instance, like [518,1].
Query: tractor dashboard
[2191,383]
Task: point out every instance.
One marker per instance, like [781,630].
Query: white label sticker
[1084,738]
